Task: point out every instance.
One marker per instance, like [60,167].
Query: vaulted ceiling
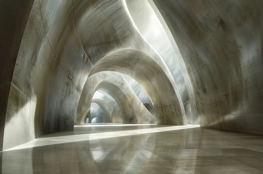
[66,62]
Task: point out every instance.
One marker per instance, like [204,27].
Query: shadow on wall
[221,43]
[43,89]
[149,107]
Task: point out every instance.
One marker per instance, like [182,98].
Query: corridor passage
[120,148]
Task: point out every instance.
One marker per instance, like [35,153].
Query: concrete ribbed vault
[123,100]
[110,104]
[132,110]
[156,33]
[140,92]
[50,48]
[98,114]
[148,73]
[105,108]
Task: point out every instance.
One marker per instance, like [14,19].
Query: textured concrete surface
[193,62]
[13,17]
[221,44]
[63,41]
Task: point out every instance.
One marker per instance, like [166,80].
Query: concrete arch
[114,85]
[153,29]
[123,37]
[62,41]
[140,92]
[103,106]
[121,98]
[100,114]
[148,73]
[111,105]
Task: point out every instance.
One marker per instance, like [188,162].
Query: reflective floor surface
[138,149]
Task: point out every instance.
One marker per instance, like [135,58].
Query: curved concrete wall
[110,105]
[66,41]
[99,113]
[140,92]
[106,118]
[52,66]
[132,110]
[153,32]
[150,75]
[221,43]
[11,32]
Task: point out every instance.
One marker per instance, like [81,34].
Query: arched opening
[110,104]
[149,23]
[99,113]
[140,92]
[150,75]
[113,84]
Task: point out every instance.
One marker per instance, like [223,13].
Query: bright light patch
[96,136]
[111,125]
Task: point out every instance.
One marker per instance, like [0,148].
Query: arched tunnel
[158,79]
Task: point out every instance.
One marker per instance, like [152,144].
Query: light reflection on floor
[111,125]
[140,149]
[94,136]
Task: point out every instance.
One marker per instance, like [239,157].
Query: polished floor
[141,149]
